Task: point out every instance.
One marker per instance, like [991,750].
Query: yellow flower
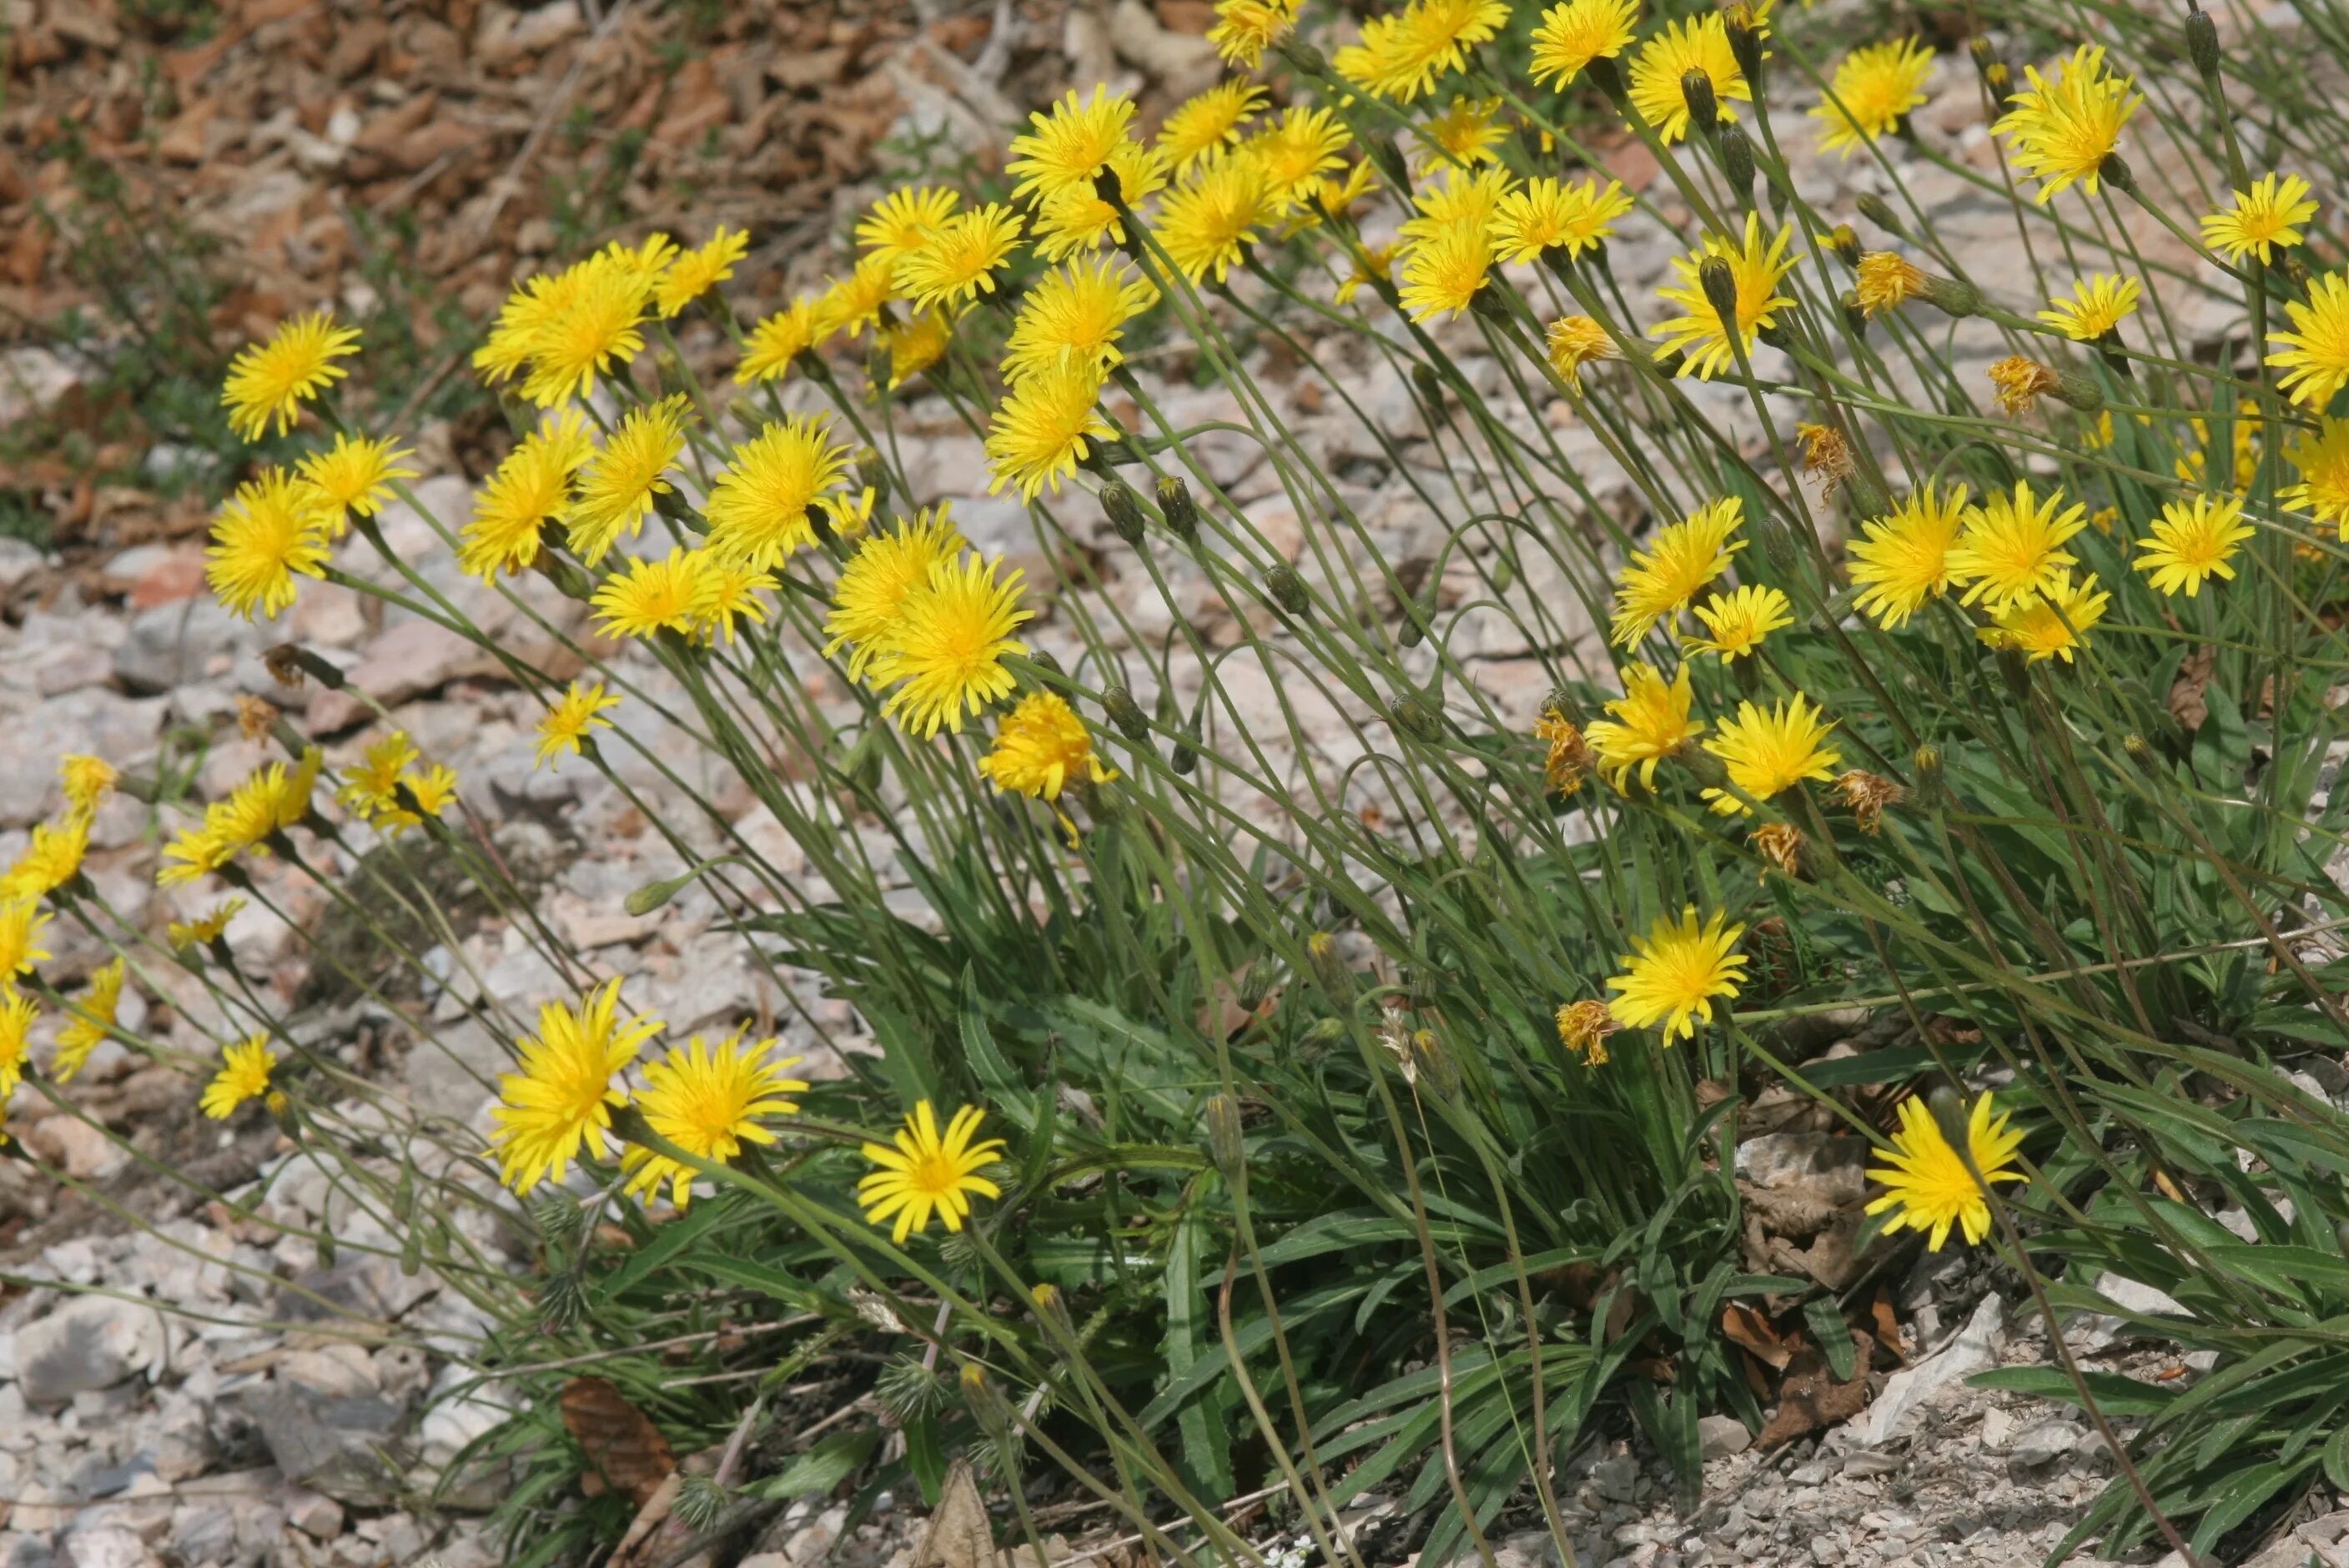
[244,1075]
[1672,975]
[20,934]
[1244,29]
[2010,548]
[925,1174]
[759,503]
[530,489]
[1041,429]
[18,1017]
[1575,341]
[707,1104]
[1903,559]
[903,221]
[1566,755]
[887,568]
[2051,624]
[851,304]
[354,475]
[1652,722]
[2315,359]
[1739,620]
[371,786]
[536,309]
[1456,198]
[2019,380]
[1545,214]
[205,927]
[2061,131]
[2258,220]
[1294,152]
[1573,34]
[1203,126]
[1886,282]
[692,273]
[2098,306]
[86,782]
[654,595]
[1699,44]
[578,712]
[1040,745]
[1464,133]
[1206,222]
[558,1109]
[1373,264]
[1872,88]
[272,527]
[1401,54]
[1075,317]
[1441,272]
[1769,753]
[1583,1028]
[730,591]
[603,322]
[1069,145]
[271,381]
[2191,542]
[91,1024]
[48,862]
[1682,557]
[917,343]
[774,343]
[1336,198]
[1926,1179]
[2323,459]
[196,851]
[1712,344]
[1079,219]
[948,645]
[617,485]
[959,262]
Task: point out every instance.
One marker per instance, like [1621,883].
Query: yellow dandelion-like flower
[1441,272]
[50,860]
[1872,88]
[1295,150]
[850,304]
[91,1025]
[2060,131]
[652,597]
[1903,559]
[1206,222]
[1573,34]
[917,343]
[1067,145]
[2316,356]
[1040,746]
[354,475]
[1372,264]
[20,936]
[2321,458]
[1712,344]
[244,1075]
[2019,381]
[1769,753]
[1583,1028]
[730,591]
[1886,282]
[708,1104]
[2052,625]
[558,1109]
[1244,29]
[692,273]
[371,786]
[1575,341]
[2097,307]
[193,852]
[2258,220]
[886,570]
[1736,622]
[775,342]
[617,485]
[1467,132]
[1205,124]
[270,381]
[2193,541]
[206,927]
[530,489]
[1545,214]
[86,782]
[1682,557]
[1337,198]
[761,503]
[1672,975]
[18,1017]
[1699,44]
[603,326]
[1074,315]
[1929,1187]
[945,656]
[1402,55]
[2010,548]
[1080,219]
[568,723]
[274,527]
[1456,198]
[1652,722]
[1042,429]
[904,221]
[959,262]
[927,1173]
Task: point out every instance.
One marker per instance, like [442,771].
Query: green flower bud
[1878,211]
[1227,1144]
[1704,109]
[1329,970]
[1844,240]
[1933,789]
[2116,172]
[1123,509]
[1745,43]
[1126,714]
[1416,717]
[1737,161]
[2202,44]
[1720,284]
[1182,514]
[1287,589]
[1429,385]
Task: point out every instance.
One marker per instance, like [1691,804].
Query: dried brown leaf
[624,1448]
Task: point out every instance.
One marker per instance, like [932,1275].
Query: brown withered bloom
[2021,380]
[1868,794]
[1583,1028]
[255,717]
[1569,762]
[1780,845]
[1824,455]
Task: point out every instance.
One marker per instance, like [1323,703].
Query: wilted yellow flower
[1711,342]
[1575,341]
[1770,752]
[1868,795]
[1927,1184]
[2019,381]
[1652,722]
[2191,542]
[1780,845]
[1886,282]
[2060,131]
[1673,974]
[2257,221]
[1872,88]
[1583,1028]
[271,381]
[1567,757]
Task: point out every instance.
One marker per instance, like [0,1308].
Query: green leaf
[823,1466]
[1834,1334]
[2115,1395]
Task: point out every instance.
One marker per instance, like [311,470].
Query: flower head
[730,591]
[1075,315]
[1872,88]
[916,345]
[600,323]
[2052,624]
[1244,29]
[1673,973]
[1040,746]
[271,381]
[1295,150]
[1205,124]
[1583,1028]
[2258,220]
[927,1173]
[761,504]
[958,262]
[2321,458]
[1069,144]
[576,714]
[1043,428]
[777,341]
[2019,380]
[1769,753]
[1566,755]
[1868,795]
[692,273]
[354,475]
[2316,356]
[20,934]
[2191,542]
[1545,214]
[1206,222]
[946,656]
[2060,131]
[1736,622]
[1886,281]
[1697,44]
[206,927]
[1466,132]
[1401,54]
[1573,34]
[1682,558]
[1927,1184]
[92,1023]
[86,782]
[1712,343]
[652,597]
[1903,559]
[904,221]
[887,568]
[2097,307]
[2010,548]
[558,1109]
[49,861]
[1651,723]
[1575,341]
[244,1075]
[708,1103]
[1443,271]
[274,527]
[1081,218]
[530,489]
[617,485]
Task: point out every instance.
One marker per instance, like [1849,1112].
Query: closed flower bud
[1107,186]
[1226,1145]
[1608,78]
[655,895]
[289,664]
[1745,43]
[1720,284]
[1052,1306]
[2202,44]
[1737,161]
[1932,781]
[2141,752]
[1302,56]
[1878,211]
[1329,970]
[1287,589]
[1949,296]
[1429,385]
[1418,614]
[1844,240]
[873,474]
[2114,170]
[1388,160]
[1855,314]
[1949,1108]
[1416,718]
[1703,109]
[987,1403]
[1048,672]
[1182,514]
[1186,756]
[1126,714]
[1123,509]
